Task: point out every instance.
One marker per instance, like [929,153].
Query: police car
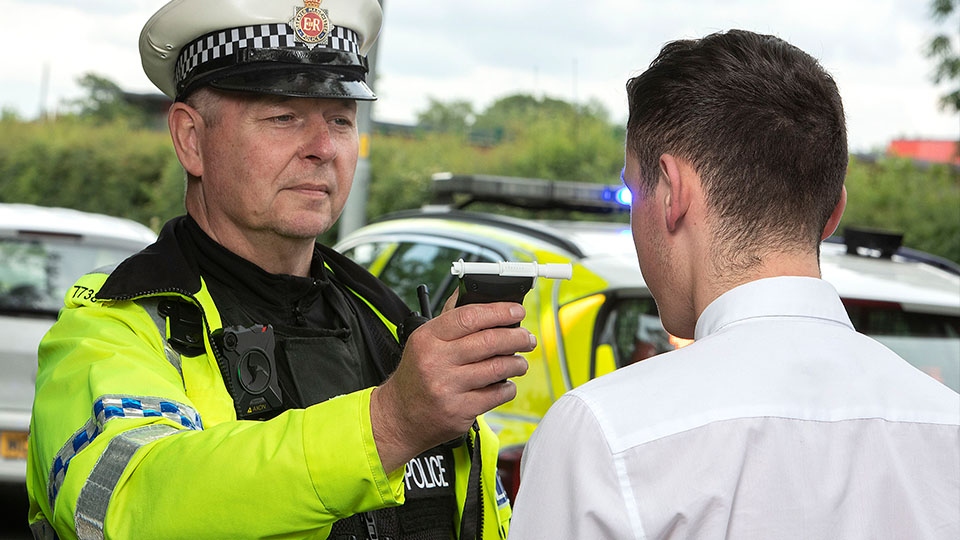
[604,317]
[42,252]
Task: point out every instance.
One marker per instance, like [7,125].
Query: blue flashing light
[620,195]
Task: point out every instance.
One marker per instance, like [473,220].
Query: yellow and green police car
[604,317]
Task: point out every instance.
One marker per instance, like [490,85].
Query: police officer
[237,379]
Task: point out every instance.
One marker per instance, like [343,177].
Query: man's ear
[835,216]
[185,122]
[678,183]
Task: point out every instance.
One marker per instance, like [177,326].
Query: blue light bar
[535,193]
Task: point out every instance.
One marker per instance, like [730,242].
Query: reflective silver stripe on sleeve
[152,307]
[95,494]
[107,408]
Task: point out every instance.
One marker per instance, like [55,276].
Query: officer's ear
[186,126]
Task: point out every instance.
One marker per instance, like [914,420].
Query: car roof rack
[462,190]
[929,258]
[878,243]
[859,239]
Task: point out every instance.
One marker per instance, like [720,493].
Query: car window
[419,263]
[406,264]
[632,329]
[366,254]
[929,341]
[36,273]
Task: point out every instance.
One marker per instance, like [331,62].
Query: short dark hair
[760,121]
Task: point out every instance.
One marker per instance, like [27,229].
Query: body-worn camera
[251,369]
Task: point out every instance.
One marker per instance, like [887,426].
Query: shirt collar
[788,296]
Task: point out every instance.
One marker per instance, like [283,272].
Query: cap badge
[311,24]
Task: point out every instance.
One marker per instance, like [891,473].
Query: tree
[897,194]
[104,102]
[450,117]
[512,113]
[941,49]
[8,114]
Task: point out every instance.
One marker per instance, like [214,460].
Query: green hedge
[921,201]
[124,171]
[110,169]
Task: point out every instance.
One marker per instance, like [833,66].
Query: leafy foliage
[451,117]
[72,162]
[88,162]
[104,103]
[923,202]
[942,50]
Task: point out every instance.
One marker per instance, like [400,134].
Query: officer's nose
[318,143]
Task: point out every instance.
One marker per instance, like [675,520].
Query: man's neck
[722,278]
[276,255]
[271,252]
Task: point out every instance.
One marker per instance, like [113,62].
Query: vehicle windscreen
[929,341]
[36,272]
[634,331]
[412,264]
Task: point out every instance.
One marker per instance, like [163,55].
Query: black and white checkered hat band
[263,36]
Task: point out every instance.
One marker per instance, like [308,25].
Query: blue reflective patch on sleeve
[81,440]
[129,403]
[502,499]
[108,412]
[167,407]
[107,408]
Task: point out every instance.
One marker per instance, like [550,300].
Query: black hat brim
[297,83]
[289,72]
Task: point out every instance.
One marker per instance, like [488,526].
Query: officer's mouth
[311,190]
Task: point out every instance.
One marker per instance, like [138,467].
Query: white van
[42,252]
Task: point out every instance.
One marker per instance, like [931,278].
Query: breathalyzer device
[483,282]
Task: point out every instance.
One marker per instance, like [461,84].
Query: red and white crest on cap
[311,24]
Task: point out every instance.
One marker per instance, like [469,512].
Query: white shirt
[778,422]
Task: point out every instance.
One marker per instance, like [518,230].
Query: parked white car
[42,252]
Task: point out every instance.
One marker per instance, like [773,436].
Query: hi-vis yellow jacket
[130,439]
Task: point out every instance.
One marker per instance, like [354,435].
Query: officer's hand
[454,368]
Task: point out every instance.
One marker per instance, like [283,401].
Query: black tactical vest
[325,342]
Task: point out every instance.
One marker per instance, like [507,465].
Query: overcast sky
[482,50]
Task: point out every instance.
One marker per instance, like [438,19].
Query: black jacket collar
[164,267]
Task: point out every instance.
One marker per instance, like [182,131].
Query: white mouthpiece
[506,268]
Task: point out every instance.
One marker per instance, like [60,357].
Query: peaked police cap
[299,48]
